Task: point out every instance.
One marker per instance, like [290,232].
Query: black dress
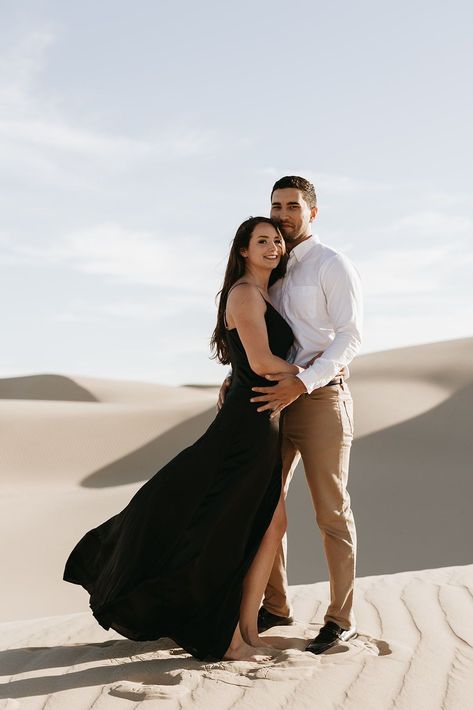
[172,563]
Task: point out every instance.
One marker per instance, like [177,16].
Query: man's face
[291,211]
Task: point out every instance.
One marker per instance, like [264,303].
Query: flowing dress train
[172,563]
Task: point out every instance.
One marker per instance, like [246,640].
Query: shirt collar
[304,247]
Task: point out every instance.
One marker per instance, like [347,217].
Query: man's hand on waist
[279,396]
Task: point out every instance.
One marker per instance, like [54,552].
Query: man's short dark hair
[300,183]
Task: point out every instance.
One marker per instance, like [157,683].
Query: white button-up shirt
[320,297]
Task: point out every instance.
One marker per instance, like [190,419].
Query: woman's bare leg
[239,650]
[257,576]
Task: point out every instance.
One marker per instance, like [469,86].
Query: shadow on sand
[144,462]
[411,487]
[152,671]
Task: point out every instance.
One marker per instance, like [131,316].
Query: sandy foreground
[414,651]
[73,450]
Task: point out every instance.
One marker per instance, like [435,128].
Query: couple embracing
[202,543]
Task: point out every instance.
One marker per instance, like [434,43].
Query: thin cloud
[434,223]
[169,304]
[21,62]
[36,134]
[57,134]
[412,271]
[126,256]
[330,183]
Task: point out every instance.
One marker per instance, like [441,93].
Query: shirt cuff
[303,380]
[314,376]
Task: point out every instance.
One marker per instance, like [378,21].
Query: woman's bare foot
[269,644]
[241,651]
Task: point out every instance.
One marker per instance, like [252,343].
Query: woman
[190,555]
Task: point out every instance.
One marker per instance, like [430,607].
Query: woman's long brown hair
[236,267]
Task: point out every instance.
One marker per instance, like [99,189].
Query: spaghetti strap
[248,284]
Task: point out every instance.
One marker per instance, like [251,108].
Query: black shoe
[266,620]
[330,634]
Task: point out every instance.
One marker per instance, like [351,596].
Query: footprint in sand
[176,685]
[139,691]
[291,664]
[361,644]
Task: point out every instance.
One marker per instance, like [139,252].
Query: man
[320,297]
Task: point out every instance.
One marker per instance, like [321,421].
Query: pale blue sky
[135,137]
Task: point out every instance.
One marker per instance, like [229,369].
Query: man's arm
[342,287]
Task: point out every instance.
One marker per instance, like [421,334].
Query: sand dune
[94,432]
[72,452]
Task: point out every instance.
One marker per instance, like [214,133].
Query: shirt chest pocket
[306,302]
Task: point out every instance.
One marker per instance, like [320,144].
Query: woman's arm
[246,307]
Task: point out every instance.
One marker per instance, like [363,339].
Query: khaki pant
[319,427]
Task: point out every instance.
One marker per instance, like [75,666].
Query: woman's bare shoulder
[245,300]
[244,292]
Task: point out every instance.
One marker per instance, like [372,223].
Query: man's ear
[313,213]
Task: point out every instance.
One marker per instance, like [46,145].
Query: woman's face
[265,248]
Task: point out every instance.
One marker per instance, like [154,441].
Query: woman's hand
[223,392]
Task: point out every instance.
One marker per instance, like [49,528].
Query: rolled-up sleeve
[341,285]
